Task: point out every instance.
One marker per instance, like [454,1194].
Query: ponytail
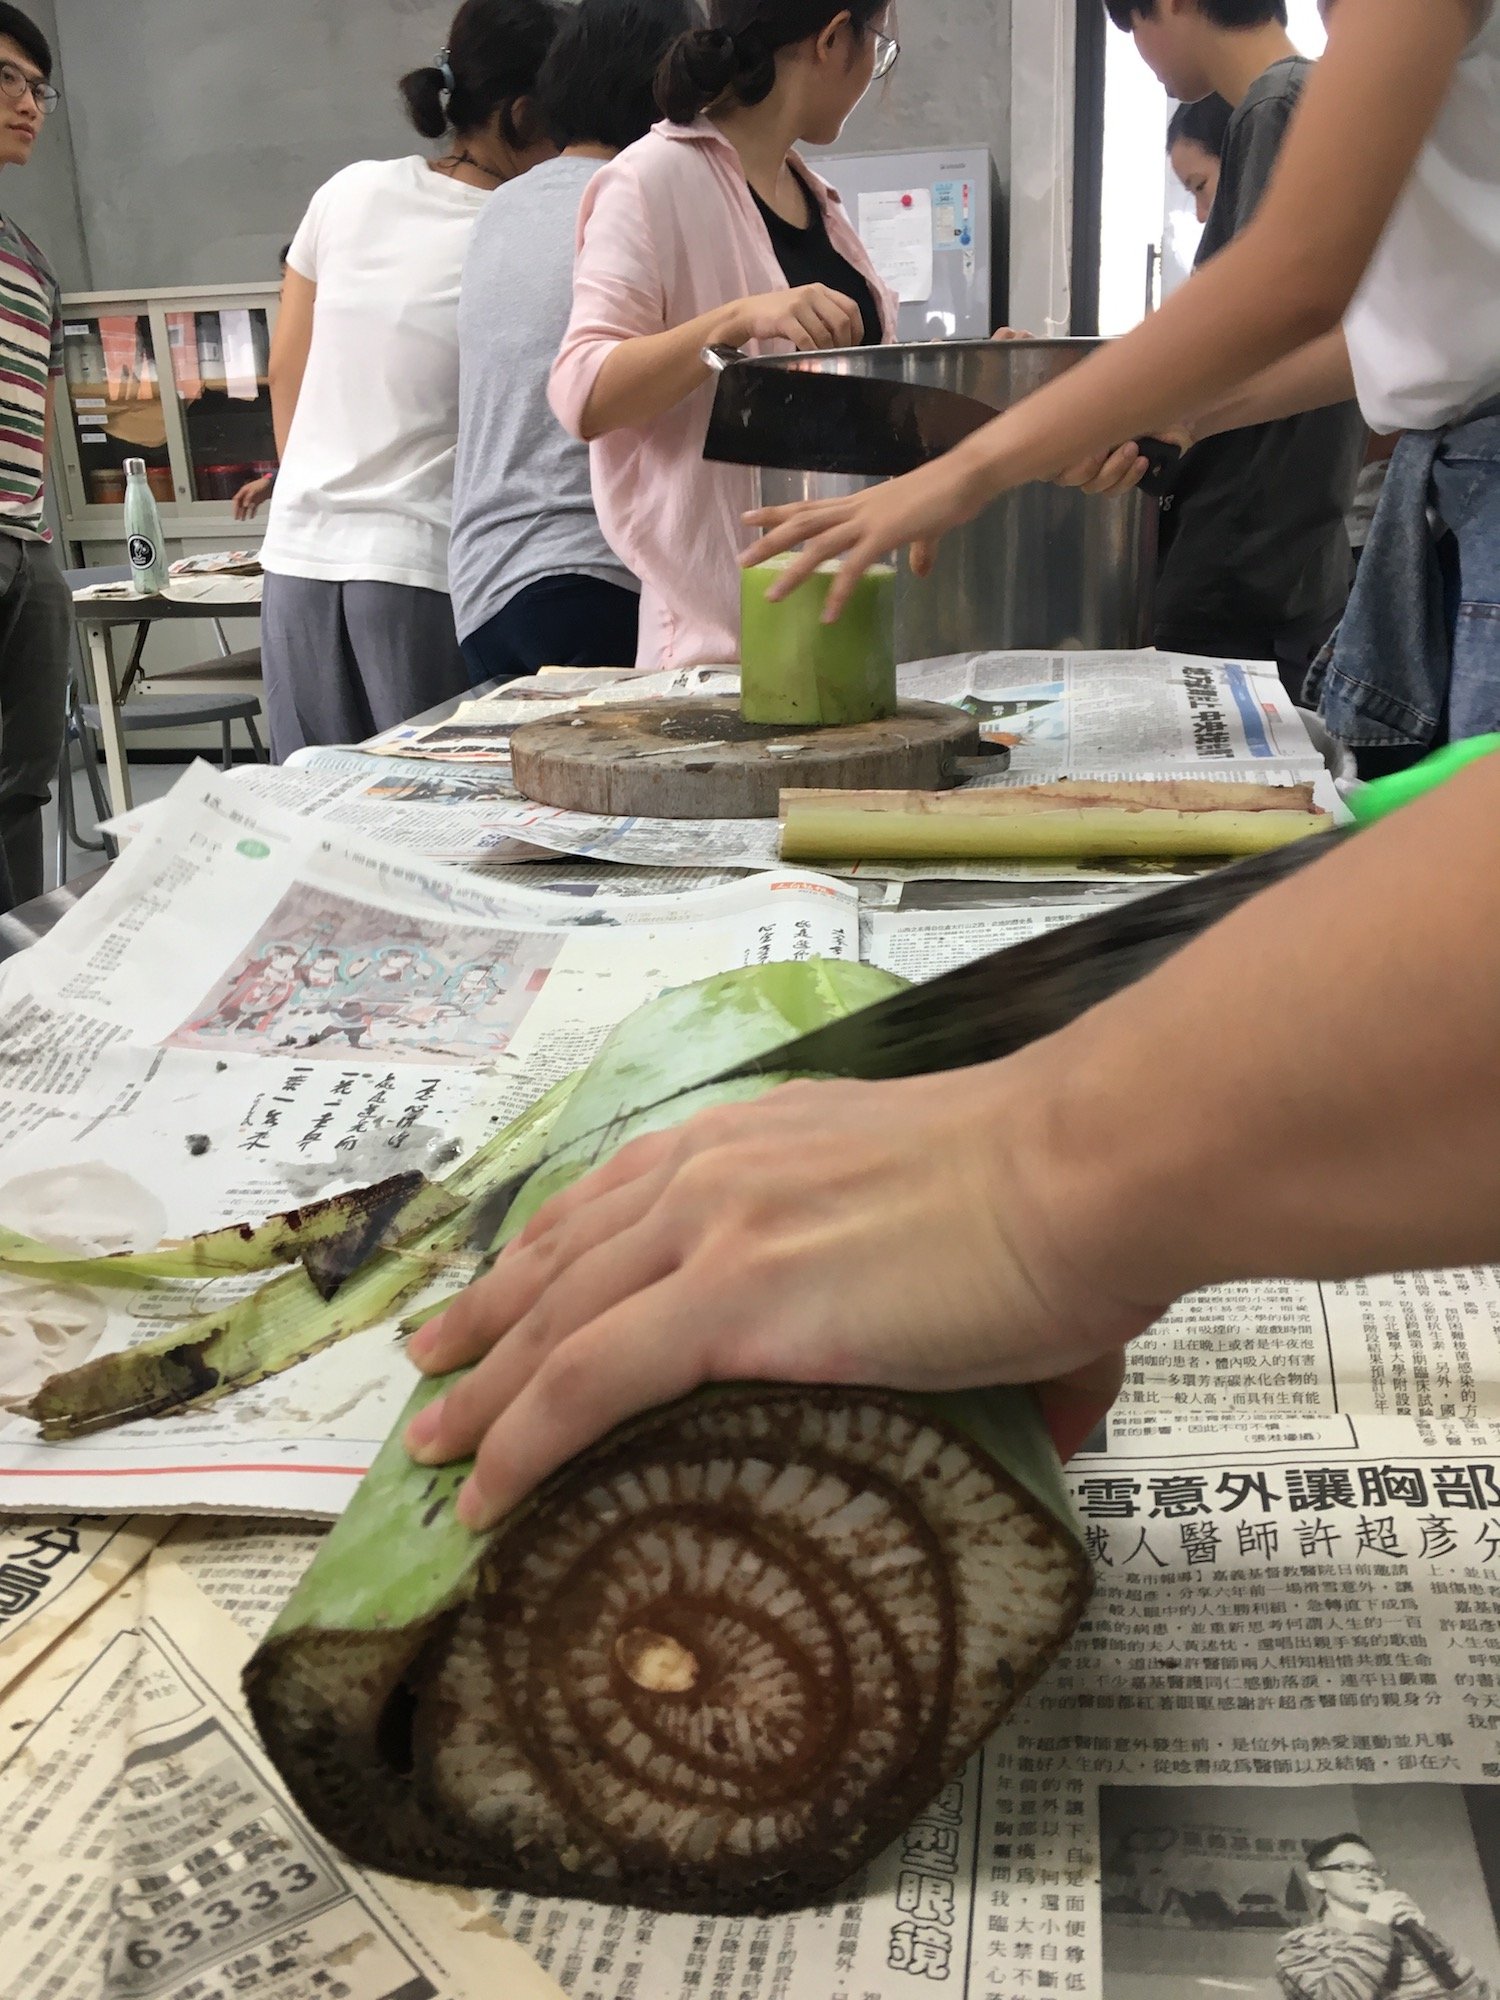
[426,100]
[495,49]
[735,59]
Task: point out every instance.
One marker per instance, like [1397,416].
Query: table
[98,621]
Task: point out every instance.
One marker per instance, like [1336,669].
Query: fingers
[1011,333]
[1074,1405]
[788,527]
[489,1310]
[1122,471]
[1084,471]
[1114,472]
[641,1158]
[803,536]
[859,559]
[826,317]
[647,1353]
[923,559]
[598,1285]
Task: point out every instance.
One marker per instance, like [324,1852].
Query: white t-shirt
[365,491]
[1424,330]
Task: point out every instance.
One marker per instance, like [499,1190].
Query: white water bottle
[148,561]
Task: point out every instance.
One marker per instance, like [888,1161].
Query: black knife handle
[1162,460]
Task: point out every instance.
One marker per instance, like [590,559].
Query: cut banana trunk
[719,1661]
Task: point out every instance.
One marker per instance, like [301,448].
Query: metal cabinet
[179,378]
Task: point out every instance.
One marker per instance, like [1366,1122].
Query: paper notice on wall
[240,370]
[896,229]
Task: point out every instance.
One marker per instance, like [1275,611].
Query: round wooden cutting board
[702,760]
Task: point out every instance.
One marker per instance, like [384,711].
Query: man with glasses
[36,612]
[1370,1940]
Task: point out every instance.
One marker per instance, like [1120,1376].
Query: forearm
[642,379]
[1287,280]
[291,350]
[1313,378]
[1213,335]
[286,387]
[1311,1089]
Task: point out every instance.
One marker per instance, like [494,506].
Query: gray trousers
[36,643]
[342,661]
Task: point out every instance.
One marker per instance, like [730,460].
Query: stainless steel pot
[1043,568]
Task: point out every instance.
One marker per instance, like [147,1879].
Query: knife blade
[995,1005]
[806,419]
[998,1004]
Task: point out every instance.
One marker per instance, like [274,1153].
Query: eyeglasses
[1352,1868]
[15,83]
[887,48]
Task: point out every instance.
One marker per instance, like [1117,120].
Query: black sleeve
[1257,142]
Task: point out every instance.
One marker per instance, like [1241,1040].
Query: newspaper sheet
[1279,1654]
[1108,715]
[155,1855]
[248,1014]
[54,1571]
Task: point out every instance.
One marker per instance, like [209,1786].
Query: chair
[166,711]
[144,714]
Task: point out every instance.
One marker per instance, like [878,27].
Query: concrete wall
[200,127]
[951,86]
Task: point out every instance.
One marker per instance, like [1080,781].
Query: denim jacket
[1417,658]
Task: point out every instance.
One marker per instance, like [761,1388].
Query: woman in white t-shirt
[357,626]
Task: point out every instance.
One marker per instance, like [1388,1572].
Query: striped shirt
[31,350]
[1321,1962]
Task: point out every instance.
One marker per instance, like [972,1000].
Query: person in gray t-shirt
[534,582]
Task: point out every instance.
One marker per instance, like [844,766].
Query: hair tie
[444,69]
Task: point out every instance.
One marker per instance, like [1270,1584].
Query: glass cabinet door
[115,393]
[219,371]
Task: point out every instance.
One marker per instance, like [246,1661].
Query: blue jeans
[1468,497]
[1416,661]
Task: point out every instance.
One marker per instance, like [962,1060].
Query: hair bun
[710,59]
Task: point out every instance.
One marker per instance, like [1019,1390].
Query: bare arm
[1025,1219]
[1312,378]
[1285,282]
[290,347]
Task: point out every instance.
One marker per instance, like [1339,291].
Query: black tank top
[807,257]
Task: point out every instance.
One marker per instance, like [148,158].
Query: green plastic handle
[1388,795]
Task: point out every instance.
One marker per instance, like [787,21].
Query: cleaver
[810,419]
[998,1004]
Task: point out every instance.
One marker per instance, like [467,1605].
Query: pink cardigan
[667,231]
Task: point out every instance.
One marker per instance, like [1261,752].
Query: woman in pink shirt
[712,231]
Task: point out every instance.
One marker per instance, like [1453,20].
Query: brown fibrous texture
[718,1665]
